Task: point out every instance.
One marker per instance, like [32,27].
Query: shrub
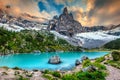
[114,63]
[29,40]
[86,63]
[16,68]
[47,72]
[69,77]
[56,74]
[97,75]
[48,76]
[101,59]
[5,67]
[99,66]
[116,55]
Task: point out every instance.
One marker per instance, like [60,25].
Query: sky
[87,12]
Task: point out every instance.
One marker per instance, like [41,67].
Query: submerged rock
[77,62]
[54,60]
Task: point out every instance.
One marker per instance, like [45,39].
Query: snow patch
[88,39]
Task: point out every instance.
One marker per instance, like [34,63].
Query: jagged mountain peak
[65,24]
[65,11]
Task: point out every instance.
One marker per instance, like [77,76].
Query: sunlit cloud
[87,12]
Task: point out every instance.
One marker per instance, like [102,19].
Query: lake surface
[30,61]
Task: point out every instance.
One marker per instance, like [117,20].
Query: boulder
[89,68]
[77,62]
[115,55]
[84,58]
[54,60]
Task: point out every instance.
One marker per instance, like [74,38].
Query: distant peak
[65,11]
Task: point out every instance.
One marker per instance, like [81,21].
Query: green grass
[97,75]
[99,66]
[116,59]
[99,60]
[56,74]
[115,44]
[97,63]
[86,63]
[116,55]
[114,63]
[16,68]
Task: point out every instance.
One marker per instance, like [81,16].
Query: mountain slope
[30,41]
[115,44]
[24,21]
[89,39]
[95,39]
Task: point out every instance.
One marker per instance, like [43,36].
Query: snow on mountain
[13,27]
[19,23]
[95,39]
[115,31]
[89,39]
[72,41]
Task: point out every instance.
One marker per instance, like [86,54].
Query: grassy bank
[115,62]
[98,74]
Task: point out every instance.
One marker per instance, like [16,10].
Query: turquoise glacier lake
[39,61]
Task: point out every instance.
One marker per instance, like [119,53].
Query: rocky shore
[14,74]
[86,65]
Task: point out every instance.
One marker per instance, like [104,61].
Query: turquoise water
[40,60]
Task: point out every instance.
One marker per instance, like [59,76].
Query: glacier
[89,39]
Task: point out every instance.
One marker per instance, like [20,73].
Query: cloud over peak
[88,12]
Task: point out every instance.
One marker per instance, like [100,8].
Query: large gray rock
[77,62]
[65,24]
[54,60]
[89,68]
[84,58]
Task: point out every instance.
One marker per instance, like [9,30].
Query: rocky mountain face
[19,23]
[65,24]
[98,28]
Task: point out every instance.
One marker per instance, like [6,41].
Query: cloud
[98,12]
[87,12]
[106,12]
[65,2]
[12,9]
[18,7]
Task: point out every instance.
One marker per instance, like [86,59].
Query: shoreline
[39,74]
[51,52]
[57,69]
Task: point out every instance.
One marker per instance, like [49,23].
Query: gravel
[114,73]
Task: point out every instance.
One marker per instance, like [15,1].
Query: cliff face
[65,24]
